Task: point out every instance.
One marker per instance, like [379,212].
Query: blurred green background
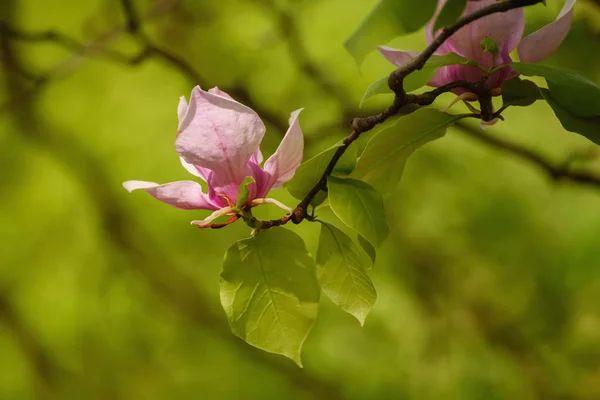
[489,284]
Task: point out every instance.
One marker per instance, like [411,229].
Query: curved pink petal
[506,29]
[397,57]
[257,157]
[185,195]
[282,165]
[219,133]
[181,111]
[200,172]
[219,92]
[429,26]
[541,43]
[261,178]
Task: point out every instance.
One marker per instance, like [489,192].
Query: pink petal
[219,133]
[200,172]
[541,43]
[257,157]
[181,109]
[282,165]
[219,92]
[505,29]
[397,57]
[219,213]
[186,195]
[401,57]
[257,202]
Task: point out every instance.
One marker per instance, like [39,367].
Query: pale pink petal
[541,43]
[397,57]
[443,76]
[220,134]
[182,108]
[221,185]
[186,195]
[203,223]
[282,165]
[261,178]
[257,157]
[200,172]
[504,28]
[219,92]
[274,202]
[401,57]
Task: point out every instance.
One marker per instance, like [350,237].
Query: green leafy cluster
[270,284]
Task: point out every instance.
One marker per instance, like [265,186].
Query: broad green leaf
[243,192]
[418,78]
[574,92]
[309,172]
[450,13]
[519,92]
[342,273]
[585,126]
[358,205]
[269,291]
[389,19]
[382,163]
[368,248]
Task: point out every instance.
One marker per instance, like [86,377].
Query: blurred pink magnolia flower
[505,29]
[218,141]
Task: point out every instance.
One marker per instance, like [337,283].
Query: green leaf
[450,13]
[368,248]
[243,192]
[342,273]
[588,127]
[488,45]
[358,205]
[269,291]
[418,78]
[389,19]
[382,163]
[309,172]
[380,86]
[519,92]
[575,93]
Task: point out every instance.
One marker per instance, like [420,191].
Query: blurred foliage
[488,286]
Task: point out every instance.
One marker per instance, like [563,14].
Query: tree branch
[396,84]
[129,238]
[556,173]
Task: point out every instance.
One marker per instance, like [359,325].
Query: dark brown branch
[557,173]
[149,50]
[396,84]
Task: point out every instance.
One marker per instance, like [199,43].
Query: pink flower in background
[506,29]
[218,141]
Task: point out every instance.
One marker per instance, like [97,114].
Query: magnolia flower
[218,141]
[506,30]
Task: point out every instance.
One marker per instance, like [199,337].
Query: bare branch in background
[557,173]
[46,370]
[296,47]
[127,237]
